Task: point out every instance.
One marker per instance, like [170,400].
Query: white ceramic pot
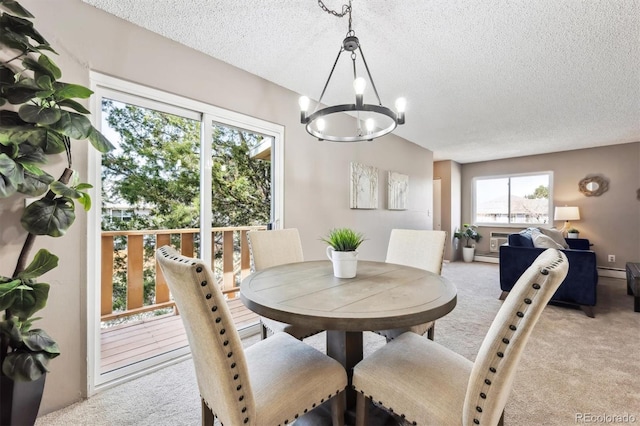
[345,263]
[572,235]
[467,253]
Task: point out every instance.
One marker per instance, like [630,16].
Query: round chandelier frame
[314,122]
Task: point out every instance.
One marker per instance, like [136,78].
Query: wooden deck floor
[130,343]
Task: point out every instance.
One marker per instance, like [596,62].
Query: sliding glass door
[185,174]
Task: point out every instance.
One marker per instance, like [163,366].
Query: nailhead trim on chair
[306,410]
[506,340]
[390,409]
[222,330]
[218,322]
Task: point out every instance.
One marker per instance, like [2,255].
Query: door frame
[102,85]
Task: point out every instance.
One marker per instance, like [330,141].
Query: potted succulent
[573,233]
[39,117]
[469,233]
[342,251]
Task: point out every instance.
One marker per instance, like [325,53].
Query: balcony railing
[130,255]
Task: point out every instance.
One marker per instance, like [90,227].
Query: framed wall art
[364,187]
[398,191]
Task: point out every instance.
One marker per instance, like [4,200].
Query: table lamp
[566,213]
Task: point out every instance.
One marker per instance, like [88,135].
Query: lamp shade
[567,213]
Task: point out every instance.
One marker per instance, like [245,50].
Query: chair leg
[338,406]
[207,415]
[263,331]
[362,414]
[431,333]
[503,295]
[501,421]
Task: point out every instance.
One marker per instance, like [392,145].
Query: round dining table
[382,296]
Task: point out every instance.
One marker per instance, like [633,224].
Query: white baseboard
[488,259]
[612,272]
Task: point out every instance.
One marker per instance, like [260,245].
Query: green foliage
[344,239]
[540,192]
[31,349]
[38,118]
[469,233]
[157,166]
[241,186]
[155,171]
[573,231]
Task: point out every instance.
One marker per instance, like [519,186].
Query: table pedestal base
[346,348]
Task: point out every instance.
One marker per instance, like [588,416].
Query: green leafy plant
[39,117]
[573,231]
[344,239]
[469,233]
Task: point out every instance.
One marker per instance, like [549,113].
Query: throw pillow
[544,241]
[529,232]
[556,236]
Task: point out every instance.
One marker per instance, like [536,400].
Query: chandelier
[372,120]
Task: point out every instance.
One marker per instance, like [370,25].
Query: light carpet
[574,370]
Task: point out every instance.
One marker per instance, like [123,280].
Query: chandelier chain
[346,8]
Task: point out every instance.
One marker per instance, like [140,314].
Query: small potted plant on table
[342,251]
[469,233]
[573,233]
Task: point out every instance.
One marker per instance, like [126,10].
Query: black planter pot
[20,401]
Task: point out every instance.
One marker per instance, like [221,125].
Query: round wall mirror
[593,186]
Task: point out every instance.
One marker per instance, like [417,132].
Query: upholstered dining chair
[428,384]
[422,249]
[272,382]
[272,248]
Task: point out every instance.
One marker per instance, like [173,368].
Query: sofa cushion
[520,240]
[545,241]
[556,235]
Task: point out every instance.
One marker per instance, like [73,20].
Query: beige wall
[611,221]
[449,172]
[316,174]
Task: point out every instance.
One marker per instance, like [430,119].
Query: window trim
[475,179]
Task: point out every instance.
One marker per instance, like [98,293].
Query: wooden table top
[381,296]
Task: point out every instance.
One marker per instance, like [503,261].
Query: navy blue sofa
[578,288]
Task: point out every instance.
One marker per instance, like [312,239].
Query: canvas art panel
[398,185]
[364,186]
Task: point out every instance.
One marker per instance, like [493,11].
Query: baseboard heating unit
[604,271]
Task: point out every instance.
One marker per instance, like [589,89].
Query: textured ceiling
[483,79]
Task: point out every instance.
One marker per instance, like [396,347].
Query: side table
[633,283]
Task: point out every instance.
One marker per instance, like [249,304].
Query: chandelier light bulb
[370,124]
[320,124]
[304,103]
[401,104]
[359,84]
